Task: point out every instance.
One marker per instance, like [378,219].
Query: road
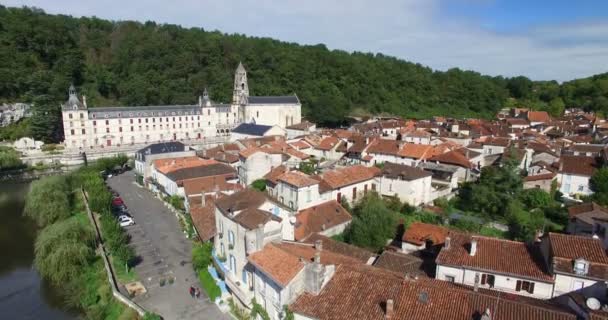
[165,253]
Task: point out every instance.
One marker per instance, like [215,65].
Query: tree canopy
[130,63]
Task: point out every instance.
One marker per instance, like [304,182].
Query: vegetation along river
[23,294]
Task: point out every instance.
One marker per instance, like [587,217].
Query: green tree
[535,198]
[599,185]
[259,185]
[47,201]
[373,224]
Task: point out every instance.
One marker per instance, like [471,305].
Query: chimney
[319,245]
[476,284]
[200,101]
[84,101]
[447,243]
[389,309]
[317,257]
[259,237]
[203,198]
[473,249]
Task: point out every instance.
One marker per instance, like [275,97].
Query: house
[406,264]
[328,219]
[161,168]
[329,148]
[574,174]
[541,181]
[255,162]
[417,137]
[576,262]
[409,184]
[246,221]
[399,152]
[252,130]
[348,183]
[423,236]
[502,265]
[283,270]
[295,189]
[209,174]
[368,293]
[301,129]
[538,118]
[589,219]
[171,149]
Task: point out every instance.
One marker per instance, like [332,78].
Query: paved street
[165,253]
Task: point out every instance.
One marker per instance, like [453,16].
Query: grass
[122,274]
[493,232]
[209,285]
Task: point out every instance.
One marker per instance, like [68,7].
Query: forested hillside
[129,63]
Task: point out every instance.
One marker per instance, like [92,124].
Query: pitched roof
[168,165]
[203,217]
[418,233]
[274,174]
[297,179]
[453,157]
[273,100]
[159,148]
[349,175]
[416,151]
[213,169]
[279,265]
[320,218]
[327,143]
[251,129]
[210,184]
[497,255]
[538,116]
[586,208]
[578,165]
[574,247]
[404,172]
[361,292]
[342,248]
[401,263]
[251,218]
[538,177]
[247,198]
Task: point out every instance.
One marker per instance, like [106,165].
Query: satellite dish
[593,304]
[292,220]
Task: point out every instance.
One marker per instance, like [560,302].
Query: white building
[145,156]
[574,174]
[86,128]
[411,185]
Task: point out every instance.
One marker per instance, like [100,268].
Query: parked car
[125,221]
[117,202]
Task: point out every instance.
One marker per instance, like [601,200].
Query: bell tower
[241,88]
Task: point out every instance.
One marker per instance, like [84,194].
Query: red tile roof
[539,116]
[453,157]
[320,218]
[297,179]
[417,151]
[498,255]
[279,265]
[574,247]
[578,165]
[203,217]
[418,233]
[328,143]
[349,175]
[361,292]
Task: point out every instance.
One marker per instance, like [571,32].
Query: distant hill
[130,63]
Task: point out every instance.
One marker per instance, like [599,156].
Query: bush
[9,159]
[259,185]
[201,256]
[151,316]
[209,285]
[48,201]
[372,225]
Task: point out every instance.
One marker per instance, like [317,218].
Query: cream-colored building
[87,128]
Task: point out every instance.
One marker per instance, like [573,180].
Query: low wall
[101,250]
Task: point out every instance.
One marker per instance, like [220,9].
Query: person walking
[192,291]
[198,292]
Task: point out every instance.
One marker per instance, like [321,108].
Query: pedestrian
[198,293]
[192,291]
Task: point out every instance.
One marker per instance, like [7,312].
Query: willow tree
[48,200]
[63,249]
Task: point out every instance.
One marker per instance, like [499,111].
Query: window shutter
[518,286]
[484,278]
[531,287]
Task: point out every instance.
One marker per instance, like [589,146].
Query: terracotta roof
[497,255]
[207,170]
[360,292]
[320,218]
[578,165]
[418,233]
[209,184]
[279,265]
[453,157]
[404,172]
[416,151]
[300,145]
[306,252]
[251,218]
[574,247]
[168,165]
[538,116]
[585,208]
[275,173]
[517,121]
[383,146]
[328,143]
[538,177]
[401,263]
[247,198]
[297,179]
[342,248]
[203,217]
[349,175]
[295,153]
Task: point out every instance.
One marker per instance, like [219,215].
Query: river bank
[23,293]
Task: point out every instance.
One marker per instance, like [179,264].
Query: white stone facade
[88,128]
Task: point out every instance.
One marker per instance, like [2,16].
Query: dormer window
[581,266]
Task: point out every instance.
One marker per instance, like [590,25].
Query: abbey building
[86,128]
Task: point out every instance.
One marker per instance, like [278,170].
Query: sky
[541,39]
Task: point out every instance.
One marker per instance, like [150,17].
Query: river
[23,294]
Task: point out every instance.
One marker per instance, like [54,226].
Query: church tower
[241,89]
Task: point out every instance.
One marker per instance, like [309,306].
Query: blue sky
[541,39]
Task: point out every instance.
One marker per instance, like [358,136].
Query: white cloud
[408,29]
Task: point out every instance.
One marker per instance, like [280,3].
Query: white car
[125,221]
